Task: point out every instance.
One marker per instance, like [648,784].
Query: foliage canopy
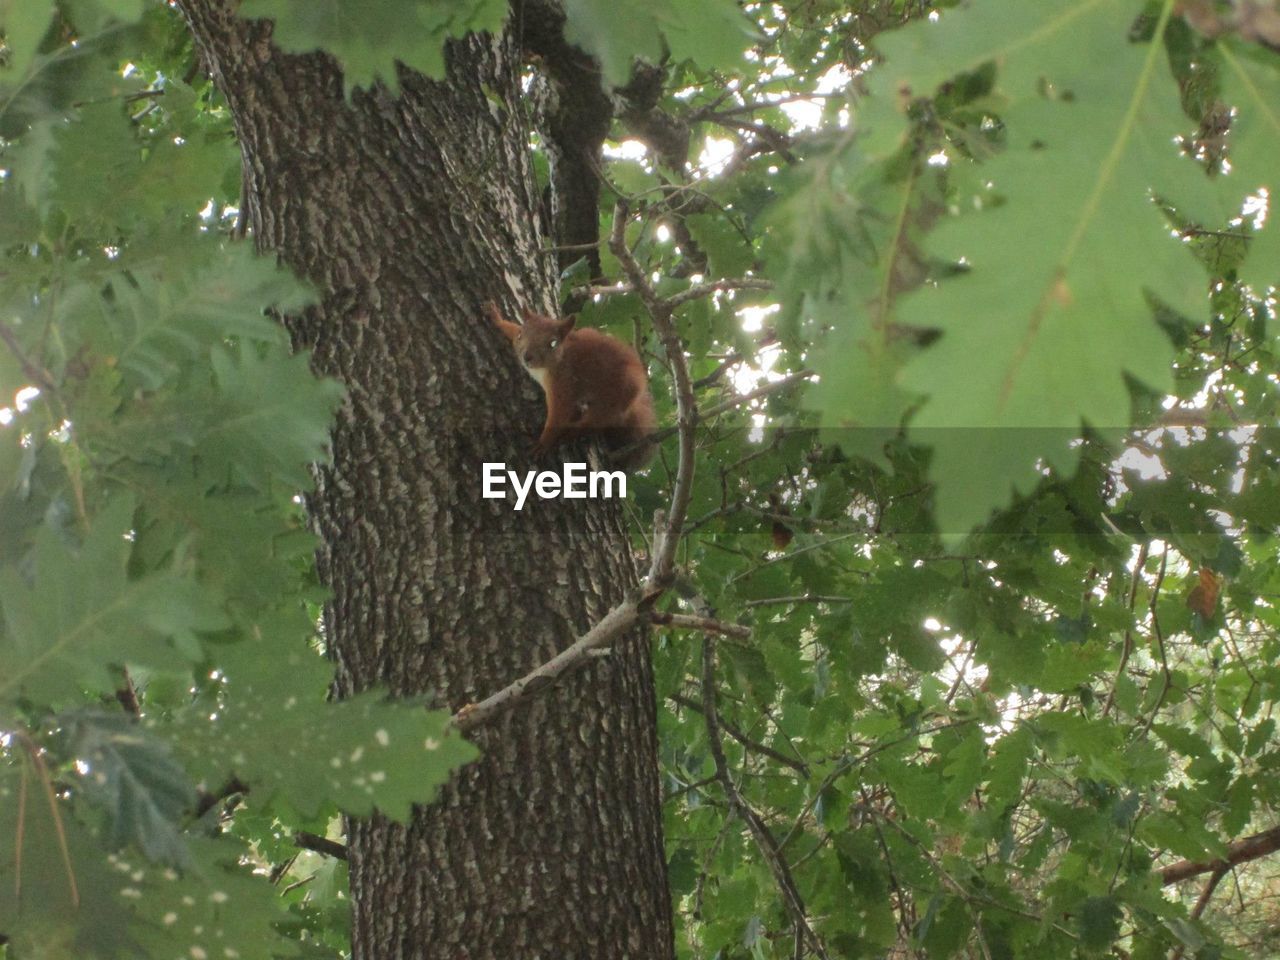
[1006,544]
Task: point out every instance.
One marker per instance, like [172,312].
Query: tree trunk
[407,213]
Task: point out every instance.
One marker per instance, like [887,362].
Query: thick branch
[613,625]
[318,844]
[574,113]
[1242,851]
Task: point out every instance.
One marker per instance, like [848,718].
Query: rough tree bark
[407,213]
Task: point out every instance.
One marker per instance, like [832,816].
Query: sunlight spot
[753,317]
[626,150]
[22,399]
[716,152]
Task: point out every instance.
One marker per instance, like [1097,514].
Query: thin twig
[38,375]
[694,292]
[700,290]
[666,537]
[773,386]
[759,830]
[611,626]
[1127,649]
[755,746]
[799,598]
[1203,901]
[705,624]
[127,696]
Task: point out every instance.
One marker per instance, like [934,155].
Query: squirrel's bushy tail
[629,446]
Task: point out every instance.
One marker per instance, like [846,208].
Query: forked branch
[668,525]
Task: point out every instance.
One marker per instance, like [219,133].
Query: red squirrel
[594,384]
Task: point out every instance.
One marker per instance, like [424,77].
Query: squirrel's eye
[554,343]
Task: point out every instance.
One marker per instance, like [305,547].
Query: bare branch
[759,830]
[1242,851]
[37,374]
[798,598]
[609,628]
[662,567]
[318,844]
[695,292]
[705,624]
[700,290]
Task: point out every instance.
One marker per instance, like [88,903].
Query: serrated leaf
[1008,766]
[1251,83]
[1053,310]
[1099,922]
[169,311]
[218,908]
[82,612]
[273,417]
[132,777]
[369,37]
[279,733]
[713,32]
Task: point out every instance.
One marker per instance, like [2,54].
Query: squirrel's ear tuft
[528,315]
[568,323]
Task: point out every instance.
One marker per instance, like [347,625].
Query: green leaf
[81,613]
[370,37]
[273,417]
[61,897]
[1099,922]
[1182,836]
[1251,82]
[131,775]
[1008,767]
[23,24]
[729,253]
[712,32]
[360,754]
[167,311]
[1052,310]
[218,908]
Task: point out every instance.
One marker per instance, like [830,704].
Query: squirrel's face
[538,345]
